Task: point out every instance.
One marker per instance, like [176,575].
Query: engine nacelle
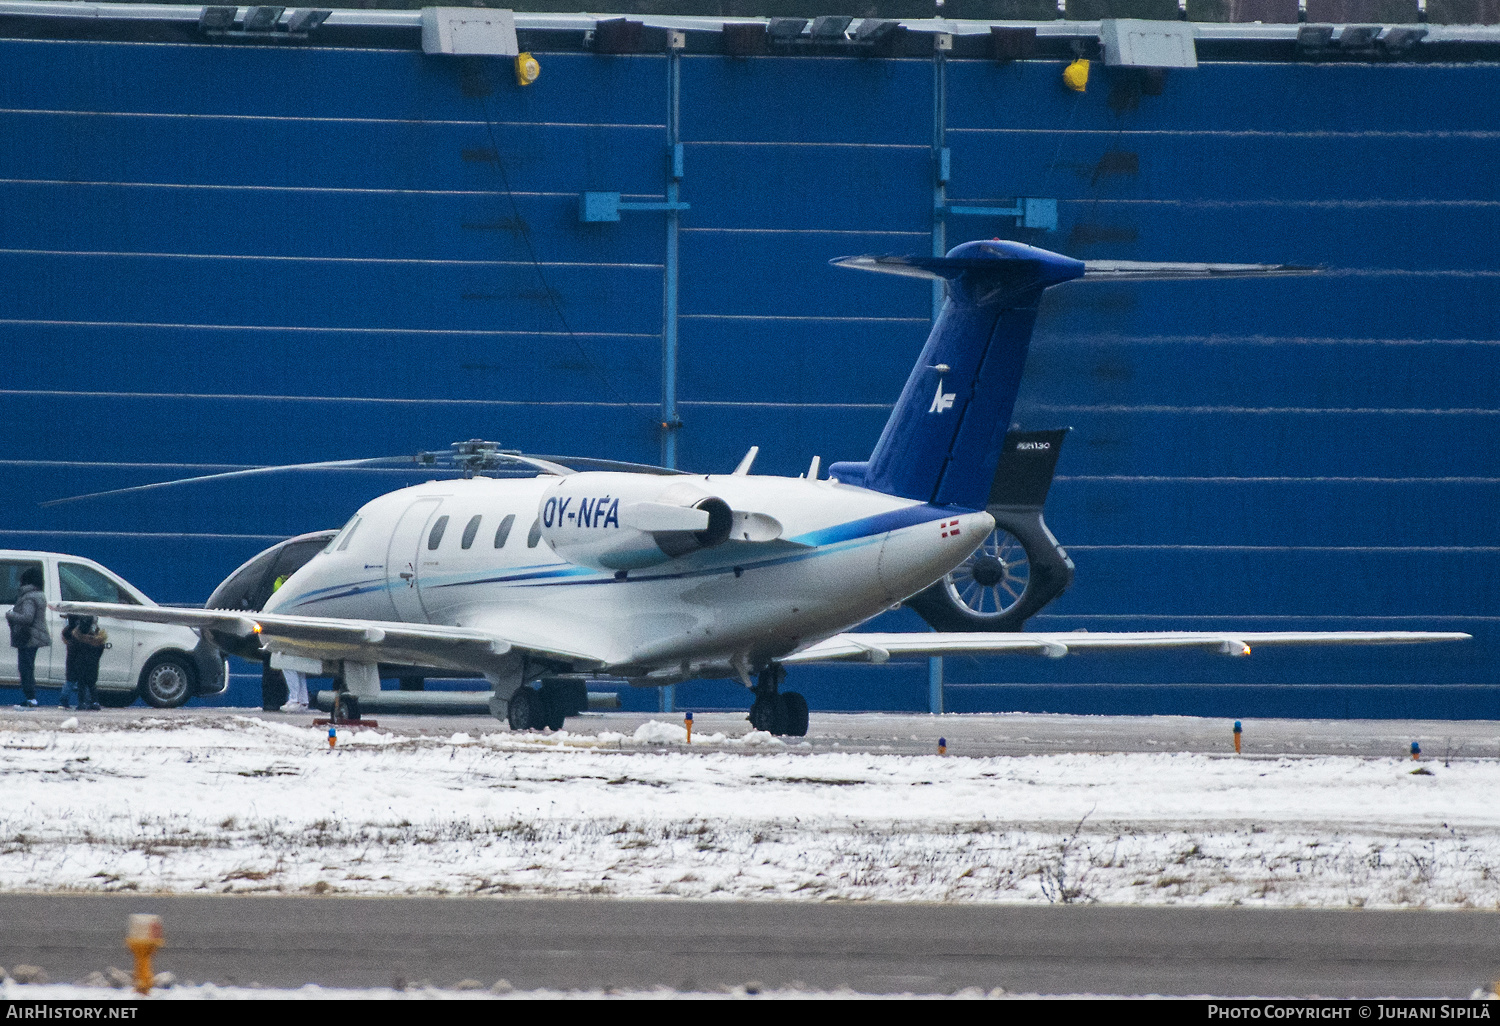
[629,521]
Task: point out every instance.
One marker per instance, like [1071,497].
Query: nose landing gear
[776,711]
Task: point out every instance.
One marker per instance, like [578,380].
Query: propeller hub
[988,571]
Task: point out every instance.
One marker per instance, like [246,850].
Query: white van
[163,664]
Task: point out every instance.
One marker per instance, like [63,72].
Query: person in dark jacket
[28,630]
[85,641]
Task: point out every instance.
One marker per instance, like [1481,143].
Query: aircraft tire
[561,698]
[765,713]
[793,710]
[525,710]
[554,712]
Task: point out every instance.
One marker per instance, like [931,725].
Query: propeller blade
[426,459]
[227,475]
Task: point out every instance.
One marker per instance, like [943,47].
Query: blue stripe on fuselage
[880,523]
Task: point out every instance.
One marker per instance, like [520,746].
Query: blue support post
[670,421]
[941,171]
[940,163]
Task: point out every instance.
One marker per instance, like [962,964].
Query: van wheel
[167,681]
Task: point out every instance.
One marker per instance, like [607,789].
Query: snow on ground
[312,992]
[242,804]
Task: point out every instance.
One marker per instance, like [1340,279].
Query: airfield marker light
[527,69]
[333,735]
[1076,75]
[942,746]
[1237,730]
[1416,752]
[143,936]
[687,719]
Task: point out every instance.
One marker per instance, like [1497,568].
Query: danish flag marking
[949,528]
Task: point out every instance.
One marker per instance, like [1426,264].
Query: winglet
[743,470]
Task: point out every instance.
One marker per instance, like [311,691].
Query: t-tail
[943,441]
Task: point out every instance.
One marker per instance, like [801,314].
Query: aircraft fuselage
[840,555]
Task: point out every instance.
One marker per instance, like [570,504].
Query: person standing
[275,685]
[28,630]
[296,691]
[85,641]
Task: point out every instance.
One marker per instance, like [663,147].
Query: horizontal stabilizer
[878,648]
[1144,270]
[947,268]
[1017,261]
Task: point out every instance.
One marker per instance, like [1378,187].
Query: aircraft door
[402,560]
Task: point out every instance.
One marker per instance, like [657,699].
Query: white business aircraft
[659,577]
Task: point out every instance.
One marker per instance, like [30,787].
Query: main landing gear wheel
[561,698]
[793,714]
[777,712]
[525,710]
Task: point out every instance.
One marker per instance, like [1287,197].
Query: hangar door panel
[402,558]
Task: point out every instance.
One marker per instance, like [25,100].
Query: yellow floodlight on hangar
[1076,75]
[527,69]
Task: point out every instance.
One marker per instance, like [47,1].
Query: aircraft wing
[877,648]
[368,641]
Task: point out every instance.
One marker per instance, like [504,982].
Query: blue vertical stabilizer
[943,440]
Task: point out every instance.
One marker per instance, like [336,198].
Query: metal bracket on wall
[1029,212]
[260,23]
[606,206]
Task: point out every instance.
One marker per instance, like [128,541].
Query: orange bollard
[1237,729]
[942,746]
[1416,752]
[143,936]
[687,720]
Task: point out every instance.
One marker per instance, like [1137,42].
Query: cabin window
[436,537]
[470,531]
[503,531]
[349,534]
[536,533]
[10,579]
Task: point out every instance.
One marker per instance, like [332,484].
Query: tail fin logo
[943,400]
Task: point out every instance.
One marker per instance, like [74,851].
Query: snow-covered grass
[246,805]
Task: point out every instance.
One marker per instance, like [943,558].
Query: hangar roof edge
[38,13]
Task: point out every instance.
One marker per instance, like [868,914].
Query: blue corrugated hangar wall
[215,255]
